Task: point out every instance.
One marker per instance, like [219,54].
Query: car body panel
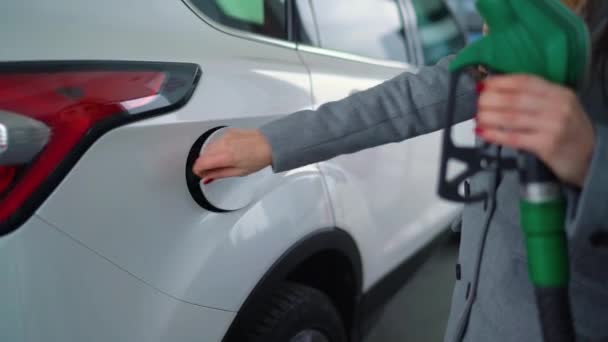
[56,289]
[376,192]
[138,213]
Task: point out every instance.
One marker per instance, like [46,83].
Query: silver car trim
[406,20]
[412,25]
[354,58]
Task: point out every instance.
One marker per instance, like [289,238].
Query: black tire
[297,310]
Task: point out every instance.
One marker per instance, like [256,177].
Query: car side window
[438,30]
[264,17]
[370,28]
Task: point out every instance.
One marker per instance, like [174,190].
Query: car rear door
[359,44]
[437,34]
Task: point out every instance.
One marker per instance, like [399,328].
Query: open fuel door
[228,194]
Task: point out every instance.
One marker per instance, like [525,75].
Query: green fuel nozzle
[538,37]
[546,39]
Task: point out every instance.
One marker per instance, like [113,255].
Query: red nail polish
[481,87]
[479,130]
[207,181]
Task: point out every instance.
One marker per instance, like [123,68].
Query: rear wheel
[298,313]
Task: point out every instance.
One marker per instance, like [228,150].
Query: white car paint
[57,289]
[120,251]
[376,192]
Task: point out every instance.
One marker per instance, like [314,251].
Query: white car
[105,234]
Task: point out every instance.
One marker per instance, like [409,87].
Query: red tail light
[7,175]
[78,102]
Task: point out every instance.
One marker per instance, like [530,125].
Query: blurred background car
[466,13]
[440,32]
[105,235]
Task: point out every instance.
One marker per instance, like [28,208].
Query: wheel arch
[323,251]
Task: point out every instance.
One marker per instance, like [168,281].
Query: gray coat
[493,299]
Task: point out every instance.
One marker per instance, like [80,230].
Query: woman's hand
[531,114]
[238,152]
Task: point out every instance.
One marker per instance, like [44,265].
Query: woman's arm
[403,107]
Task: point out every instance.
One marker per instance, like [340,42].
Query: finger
[516,83]
[210,161]
[222,173]
[204,174]
[516,101]
[530,85]
[520,140]
[509,120]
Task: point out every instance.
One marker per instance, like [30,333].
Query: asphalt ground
[419,311]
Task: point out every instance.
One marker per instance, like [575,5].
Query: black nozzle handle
[555,317]
[473,158]
[533,170]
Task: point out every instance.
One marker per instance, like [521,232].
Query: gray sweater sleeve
[588,209]
[403,107]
